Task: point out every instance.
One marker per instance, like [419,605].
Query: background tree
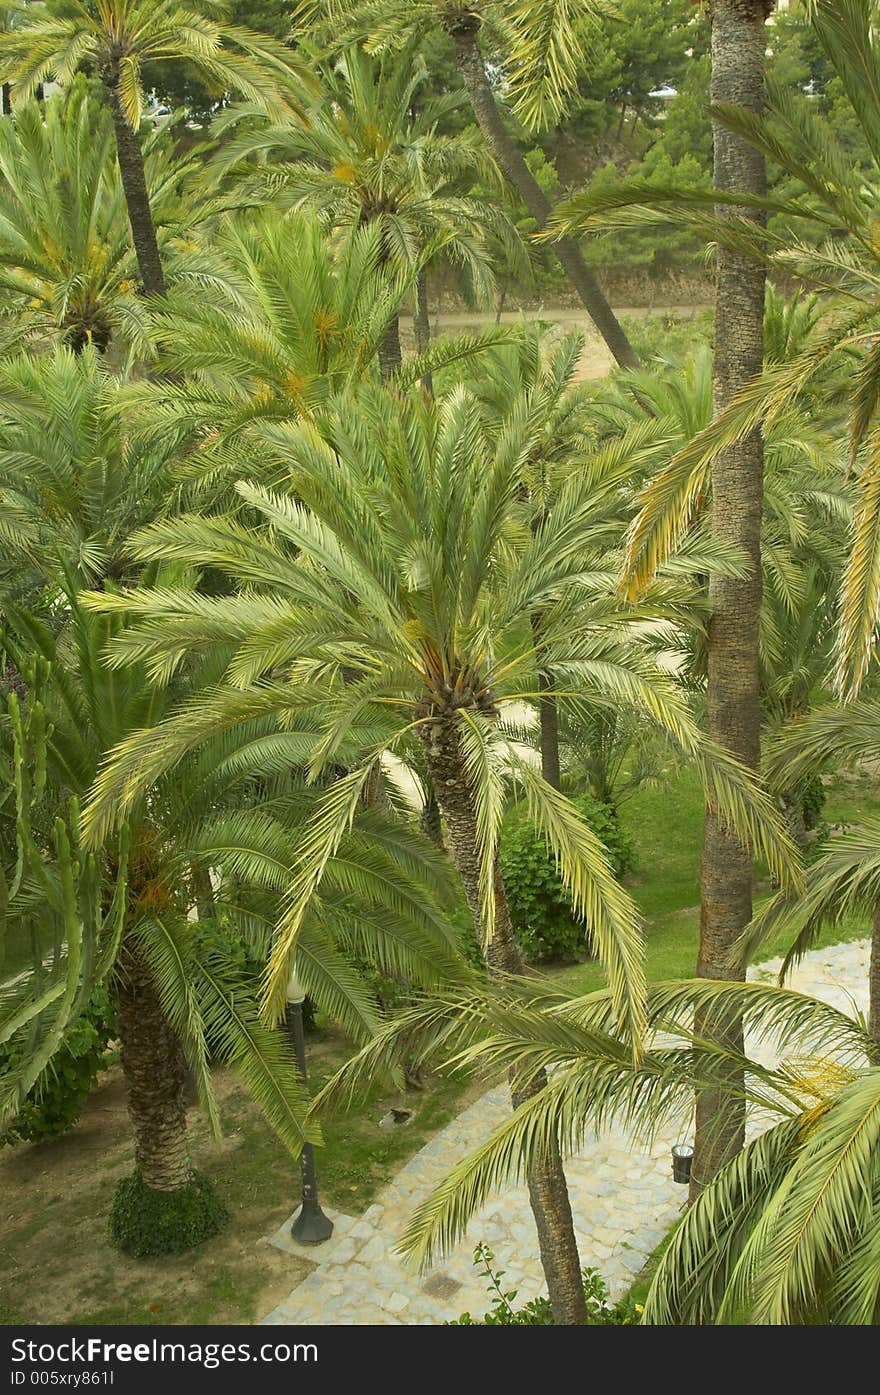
[65,254]
[542,60]
[367,152]
[118,38]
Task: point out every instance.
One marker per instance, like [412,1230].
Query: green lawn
[666,823]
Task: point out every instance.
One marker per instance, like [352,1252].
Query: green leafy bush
[146,1222]
[540,906]
[813,798]
[58,1097]
[222,937]
[538,1313]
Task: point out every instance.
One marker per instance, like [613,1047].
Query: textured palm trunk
[154,1068]
[203,891]
[431,819]
[733,691]
[390,357]
[137,198]
[548,714]
[548,1189]
[422,327]
[874,982]
[792,802]
[422,317]
[509,158]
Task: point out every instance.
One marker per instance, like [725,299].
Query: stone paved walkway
[623,1199]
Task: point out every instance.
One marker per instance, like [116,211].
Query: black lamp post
[310,1225]
[682,1157]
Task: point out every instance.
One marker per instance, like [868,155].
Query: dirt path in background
[595,360]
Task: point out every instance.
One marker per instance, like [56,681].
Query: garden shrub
[540,906]
[224,940]
[813,798]
[145,1222]
[56,1100]
[538,1312]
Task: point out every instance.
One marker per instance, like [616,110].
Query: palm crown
[120,36]
[367,151]
[65,255]
[391,592]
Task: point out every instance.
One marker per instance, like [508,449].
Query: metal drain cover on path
[441,1286]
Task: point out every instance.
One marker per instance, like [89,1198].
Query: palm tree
[830,246]
[284,321]
[544,56]
[787,1230]
[65,255]
[73,485]
[391,592]
[67,477]
[366,151]
[118,37]
[738,45]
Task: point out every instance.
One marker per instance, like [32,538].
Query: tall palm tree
[366,151]
[73,485]
[738,47]
[388,590]
[118,37]
[544,56]
[823,235]
[65,255]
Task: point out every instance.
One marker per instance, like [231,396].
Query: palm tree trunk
[463,32]
[422,326]
[548,1189]
[422,317]
[792,802]
[203,890]
[137,199]
[390,357]
[155,1071]
[548,714]
[431,819]
[733,690]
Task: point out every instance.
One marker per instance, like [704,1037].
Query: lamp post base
[310,1225]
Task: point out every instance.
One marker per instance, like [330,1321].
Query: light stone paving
[623,1199]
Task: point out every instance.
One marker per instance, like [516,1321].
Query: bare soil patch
[56,1262]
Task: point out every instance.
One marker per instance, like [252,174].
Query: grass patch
[666,825]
